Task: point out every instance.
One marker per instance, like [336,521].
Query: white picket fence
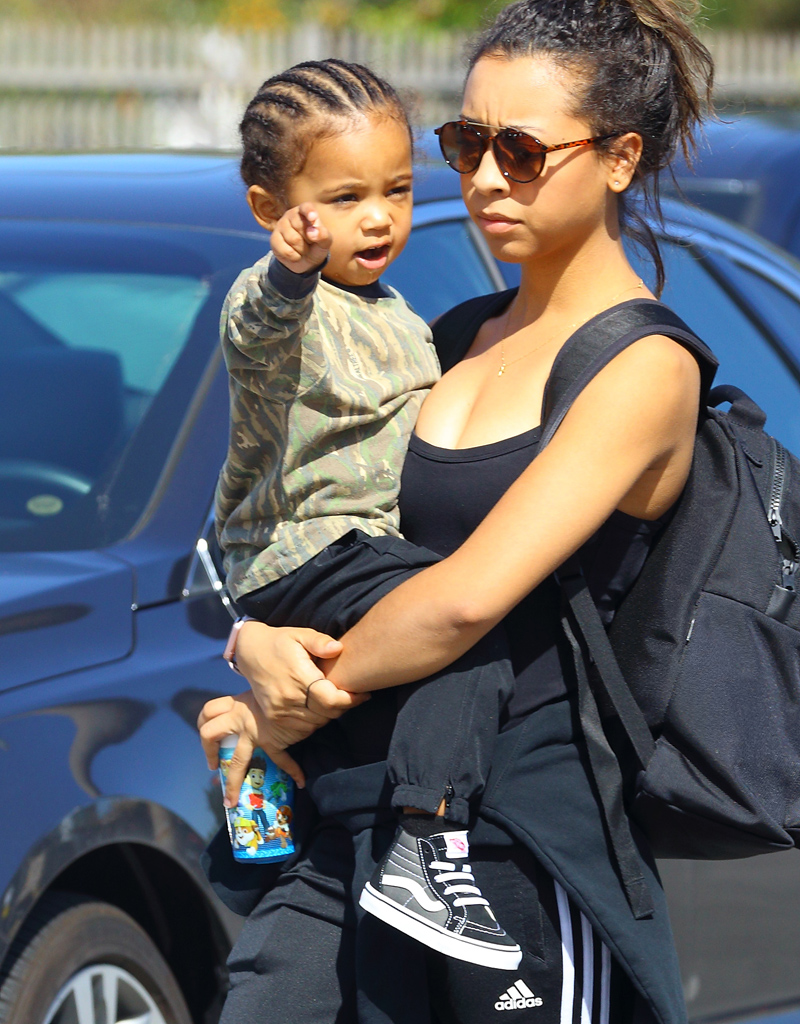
[66,86]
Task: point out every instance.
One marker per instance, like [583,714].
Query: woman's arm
[630,435]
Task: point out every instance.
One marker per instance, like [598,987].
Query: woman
[610,88]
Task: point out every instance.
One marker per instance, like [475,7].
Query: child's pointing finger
[315,230]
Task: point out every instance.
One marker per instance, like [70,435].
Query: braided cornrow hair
[640,67]
[307,102]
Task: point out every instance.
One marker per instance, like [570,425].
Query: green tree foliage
[753,15]
[408,15]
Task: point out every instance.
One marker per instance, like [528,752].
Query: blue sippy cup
[260,826]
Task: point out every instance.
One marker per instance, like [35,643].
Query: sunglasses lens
[521,157]
[462,146]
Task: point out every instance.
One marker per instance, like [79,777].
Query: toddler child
[328,369]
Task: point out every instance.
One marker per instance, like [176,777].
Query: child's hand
[300,240]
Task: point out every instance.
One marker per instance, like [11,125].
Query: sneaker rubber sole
[473,951]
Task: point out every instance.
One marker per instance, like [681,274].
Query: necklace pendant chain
[504,363]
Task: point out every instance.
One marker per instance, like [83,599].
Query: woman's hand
[290,700]
[285,668]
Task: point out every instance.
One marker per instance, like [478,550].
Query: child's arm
[265,314]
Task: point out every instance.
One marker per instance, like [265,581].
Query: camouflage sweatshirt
[325,386]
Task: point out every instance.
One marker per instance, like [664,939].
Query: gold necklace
[505,363]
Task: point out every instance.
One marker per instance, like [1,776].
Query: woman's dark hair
[641,69]
[293,110]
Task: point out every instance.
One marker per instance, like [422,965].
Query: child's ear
[264,206]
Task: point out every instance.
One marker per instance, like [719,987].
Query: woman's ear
[622,159]
[264,206]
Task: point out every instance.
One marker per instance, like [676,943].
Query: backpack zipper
[784,542]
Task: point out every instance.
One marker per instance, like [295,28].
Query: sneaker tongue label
[456,844]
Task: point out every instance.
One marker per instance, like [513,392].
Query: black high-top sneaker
[425,888]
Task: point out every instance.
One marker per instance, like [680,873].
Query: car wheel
[80,961]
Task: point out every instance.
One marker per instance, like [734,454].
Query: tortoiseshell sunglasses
[519,155]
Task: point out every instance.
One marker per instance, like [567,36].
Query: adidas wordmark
[517,997]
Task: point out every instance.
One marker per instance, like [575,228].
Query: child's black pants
[446,725]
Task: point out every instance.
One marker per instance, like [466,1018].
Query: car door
[444,262]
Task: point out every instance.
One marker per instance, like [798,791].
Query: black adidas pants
[445,730]
[307,954]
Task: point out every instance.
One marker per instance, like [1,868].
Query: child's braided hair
[293,110]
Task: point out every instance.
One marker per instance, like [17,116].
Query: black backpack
[695,689]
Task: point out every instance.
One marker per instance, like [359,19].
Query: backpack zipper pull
[786,547]
[776,525]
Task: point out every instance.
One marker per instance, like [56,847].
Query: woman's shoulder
[651,388]
[658,359]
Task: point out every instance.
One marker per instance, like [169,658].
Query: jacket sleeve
[264,319]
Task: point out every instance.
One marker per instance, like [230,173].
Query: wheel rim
[103,994]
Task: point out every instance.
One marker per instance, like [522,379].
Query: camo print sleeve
[325,390]
[262,327]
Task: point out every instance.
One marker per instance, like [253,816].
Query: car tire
[80,959]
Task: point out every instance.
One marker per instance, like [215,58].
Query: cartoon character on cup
[282,830]
[256,774]
[246,835]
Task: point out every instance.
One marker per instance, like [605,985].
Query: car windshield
[94,324]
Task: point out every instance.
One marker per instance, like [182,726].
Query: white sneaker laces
[464,875]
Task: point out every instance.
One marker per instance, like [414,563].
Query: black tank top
[444,495]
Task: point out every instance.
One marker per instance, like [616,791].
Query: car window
[104,333]
[737,199]
[779,310]
[746,356]
[439,267]
[151,315]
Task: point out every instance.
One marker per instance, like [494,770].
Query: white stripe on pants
[588,941]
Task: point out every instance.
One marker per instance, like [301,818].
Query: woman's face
[570,201]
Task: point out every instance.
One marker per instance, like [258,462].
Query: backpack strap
[455,330]
[581,358]
[595,344]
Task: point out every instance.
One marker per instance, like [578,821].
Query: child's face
[360,184]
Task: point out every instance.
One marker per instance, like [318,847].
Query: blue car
[113,426]
[746,169]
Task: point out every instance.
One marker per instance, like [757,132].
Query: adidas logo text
[518,997]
